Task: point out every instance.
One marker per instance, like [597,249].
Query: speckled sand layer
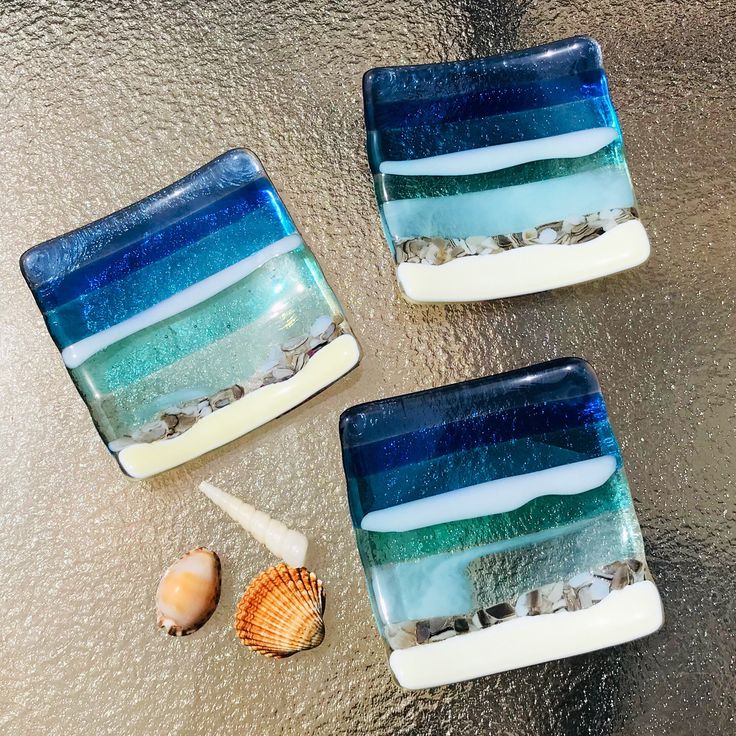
[254,409]
[526,270]
[622,616]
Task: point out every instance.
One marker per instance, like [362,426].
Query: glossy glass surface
[478,158]
[177,306]
[107,102]
[472,495]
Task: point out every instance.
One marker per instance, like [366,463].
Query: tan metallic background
[103,103]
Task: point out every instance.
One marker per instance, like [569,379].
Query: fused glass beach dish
[191,317]
[495,524]
[501,176]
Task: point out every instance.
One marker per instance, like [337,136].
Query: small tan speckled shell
[188,592]
[280,612]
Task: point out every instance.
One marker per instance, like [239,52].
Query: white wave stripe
[492,497]
[244,415]
[525,270]
[623,615]
[493,158]
[74,355]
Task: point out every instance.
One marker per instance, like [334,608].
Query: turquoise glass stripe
[461,582]
[264,293]
[140,289]
[511,209]
[288,293]
[381,548]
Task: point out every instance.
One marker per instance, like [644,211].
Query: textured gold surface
[103,103]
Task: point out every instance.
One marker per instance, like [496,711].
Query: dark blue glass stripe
[135,255]
[486,102]
[60,256]
[553,381]
[474,431]
[567,58]
[434,140]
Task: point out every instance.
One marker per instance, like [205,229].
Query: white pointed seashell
[288,544]
[188,592]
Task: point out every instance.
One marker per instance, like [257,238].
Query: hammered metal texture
[105,102]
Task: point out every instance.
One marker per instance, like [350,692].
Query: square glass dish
[495,524]
[501,176]
[191,317]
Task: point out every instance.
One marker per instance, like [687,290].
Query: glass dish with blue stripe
[495,524]
[191,317]
[501,176]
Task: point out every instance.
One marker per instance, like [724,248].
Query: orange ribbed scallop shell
[280,612]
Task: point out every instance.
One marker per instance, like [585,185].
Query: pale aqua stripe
[512,209]
[453,584]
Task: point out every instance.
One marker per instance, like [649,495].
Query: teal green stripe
[546,512]
[392,186]
[262,295]
[510,209]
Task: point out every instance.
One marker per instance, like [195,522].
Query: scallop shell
[280,612]
[189,592]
